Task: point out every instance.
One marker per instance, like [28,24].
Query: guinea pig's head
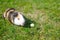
[17,18]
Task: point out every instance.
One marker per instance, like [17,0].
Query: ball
[32,24]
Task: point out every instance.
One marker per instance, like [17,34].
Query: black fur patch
[10,9]
[15,14]
[12,16]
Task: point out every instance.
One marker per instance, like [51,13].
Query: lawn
[45,14]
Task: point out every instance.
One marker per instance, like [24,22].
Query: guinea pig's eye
[18,19]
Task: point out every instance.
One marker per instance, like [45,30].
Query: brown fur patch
[6,13]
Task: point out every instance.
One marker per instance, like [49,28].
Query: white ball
[32,24]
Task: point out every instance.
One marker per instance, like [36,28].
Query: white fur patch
[21,20]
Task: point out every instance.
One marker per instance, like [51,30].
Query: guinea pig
[14,16]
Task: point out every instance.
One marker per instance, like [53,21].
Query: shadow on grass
[28,22]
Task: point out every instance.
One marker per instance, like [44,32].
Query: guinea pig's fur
[14,17]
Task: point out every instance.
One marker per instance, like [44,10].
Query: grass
[46,14]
